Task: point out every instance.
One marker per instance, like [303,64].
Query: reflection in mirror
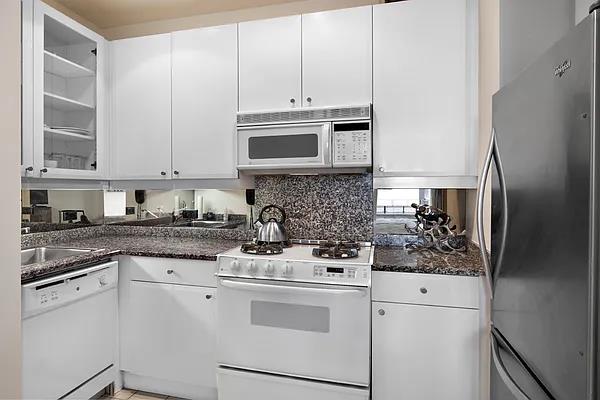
[396,216]
[209,208]
[46,210]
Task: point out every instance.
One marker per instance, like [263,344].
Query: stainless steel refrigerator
[545,166]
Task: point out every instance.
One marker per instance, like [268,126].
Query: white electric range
[293,325]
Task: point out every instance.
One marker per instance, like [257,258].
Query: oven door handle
[305,288]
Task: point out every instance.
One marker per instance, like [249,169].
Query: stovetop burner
[262,249]
[337,249]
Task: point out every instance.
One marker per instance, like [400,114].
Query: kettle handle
[260,216]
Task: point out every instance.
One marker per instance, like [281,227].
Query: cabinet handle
[381,311]
[309,99]
[175,172]
[293,100]
[29,169]
[163,173]
[44,170]
[169,271]
[423,290]
[381,169]
[208,296]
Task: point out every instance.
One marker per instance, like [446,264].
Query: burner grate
[337,249]
[262,249]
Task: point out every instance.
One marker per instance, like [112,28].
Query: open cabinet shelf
[57,65]
[57,102]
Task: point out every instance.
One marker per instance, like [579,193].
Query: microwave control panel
[352,144]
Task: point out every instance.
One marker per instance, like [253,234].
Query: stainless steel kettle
[272,230]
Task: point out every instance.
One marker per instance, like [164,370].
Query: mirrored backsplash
[395,215]
[341,207]
[47,210]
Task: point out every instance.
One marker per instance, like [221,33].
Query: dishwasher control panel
[38,296]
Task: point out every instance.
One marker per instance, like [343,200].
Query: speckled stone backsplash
[321,207]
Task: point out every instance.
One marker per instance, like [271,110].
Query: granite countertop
[400,259]
[132,245]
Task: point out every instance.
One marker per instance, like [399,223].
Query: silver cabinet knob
[169,271]
[175,172]
[423,290]
[309,99]
[293,100]
[163,173]
[381,169]
[381,311]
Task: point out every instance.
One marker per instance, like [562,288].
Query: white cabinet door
[337,57]
[424,352]
[169,333]
[141,108]
[204,102]
[424,88]
[270,63]
[64,96]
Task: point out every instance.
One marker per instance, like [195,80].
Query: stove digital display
[335,270]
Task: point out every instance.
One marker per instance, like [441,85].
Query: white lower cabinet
[423,351]
[168,326]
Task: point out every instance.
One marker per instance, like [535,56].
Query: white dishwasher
[69,325]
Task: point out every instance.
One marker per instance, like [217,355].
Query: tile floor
[128,394]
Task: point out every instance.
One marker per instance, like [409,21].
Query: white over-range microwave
[305,140]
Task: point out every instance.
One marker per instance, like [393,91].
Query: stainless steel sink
[42,254]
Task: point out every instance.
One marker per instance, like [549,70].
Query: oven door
[306,330]
[283,147]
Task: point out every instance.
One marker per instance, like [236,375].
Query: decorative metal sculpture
[434,230]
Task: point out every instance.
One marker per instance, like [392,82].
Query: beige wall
[489,82]
[10,283]
[195,21]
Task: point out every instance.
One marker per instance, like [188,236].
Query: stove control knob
[252,268]
[235,266]
[289,270]
[270,269]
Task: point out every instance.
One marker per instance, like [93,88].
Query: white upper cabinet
[337,57]
[424,89]
[270,64]
[204,102]
[141,108]
[64,96]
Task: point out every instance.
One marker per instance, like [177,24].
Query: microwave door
[284,146]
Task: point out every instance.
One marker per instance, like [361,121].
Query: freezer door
[510,380]
[543,127]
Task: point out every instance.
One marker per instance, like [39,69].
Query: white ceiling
[112,13]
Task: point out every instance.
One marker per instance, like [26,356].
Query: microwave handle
[327,143]
[305,288]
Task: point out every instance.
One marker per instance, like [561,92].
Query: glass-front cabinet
[68,98]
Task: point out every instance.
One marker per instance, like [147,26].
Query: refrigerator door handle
[506,378]
[504,222]
[492,154]
[480,200]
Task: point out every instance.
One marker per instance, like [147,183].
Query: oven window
[283,146]
[290,316]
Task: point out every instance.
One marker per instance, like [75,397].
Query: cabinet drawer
[428,289]
[169,270]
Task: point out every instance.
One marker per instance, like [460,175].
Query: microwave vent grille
[305,115]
